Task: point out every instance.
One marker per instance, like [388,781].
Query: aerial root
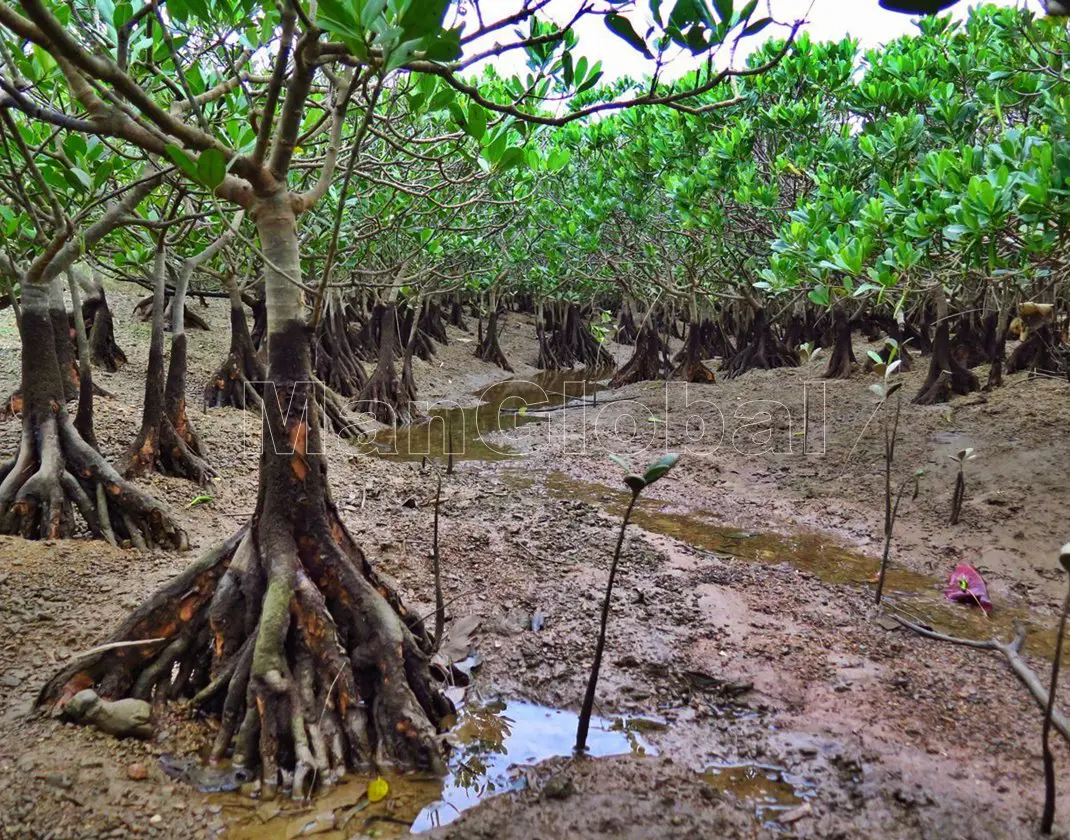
[59,473]
[230,387]
[690,367]
[310,663]
[946,375]
[1041,352]
[646,362]
[336,413]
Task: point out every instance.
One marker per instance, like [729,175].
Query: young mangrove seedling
[961,457]
[449,443]
[636,483]
[885,390]
[809,351]
[1047,820]
[436,557]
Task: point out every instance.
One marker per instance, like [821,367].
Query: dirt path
[771,658]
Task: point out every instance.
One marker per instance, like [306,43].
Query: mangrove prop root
[762,351]
[569,343]
[55,472]
[238,382]
[336,361]
[646,362]
[690,367]
[1041,352]
[384,395]
[488,349]
[166,442]
[310,660]
[104,352]
[946,376]
[842,359]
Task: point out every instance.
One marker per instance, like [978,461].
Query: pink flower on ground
[966,586]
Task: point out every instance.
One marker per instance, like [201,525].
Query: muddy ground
[743,623]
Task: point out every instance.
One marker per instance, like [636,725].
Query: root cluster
[304,653]
[56,473]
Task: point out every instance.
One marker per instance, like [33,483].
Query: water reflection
[464,432]
[917,596]
[490,745]
[766,789]
[504,734]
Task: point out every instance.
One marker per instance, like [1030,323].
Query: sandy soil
[743,613]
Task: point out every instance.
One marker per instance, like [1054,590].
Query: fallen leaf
[795,814]
[378,790]
[457,638]
[966,586]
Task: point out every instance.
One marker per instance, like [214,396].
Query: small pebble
[137,772]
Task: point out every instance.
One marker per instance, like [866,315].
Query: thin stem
[449,434]
[889,453]
[592,683]
[1048,818]
[440,605]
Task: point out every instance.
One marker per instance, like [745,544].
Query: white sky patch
[826,20]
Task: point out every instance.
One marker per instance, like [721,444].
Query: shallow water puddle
[510,733]
[768,790]
[487,742]
[503,407]
[918,597]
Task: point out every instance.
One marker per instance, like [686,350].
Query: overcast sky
[826,20]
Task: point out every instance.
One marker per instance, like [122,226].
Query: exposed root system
[284,631]
[762,351]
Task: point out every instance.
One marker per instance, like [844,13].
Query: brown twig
[1011,651]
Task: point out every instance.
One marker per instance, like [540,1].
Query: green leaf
[457,112]
[688,12]
[591,80]
[82,177]
[477,121]
[211,168]
[620,462]
[496,148]
[401,54]
[724,9]
[336,17]
[423,18]
[442,99]
[123,12]
[182,160]
[202,499]
[622,28]
[510,158]
[372,10]
[875,356]
[660,467]
[107,10]
[635,482]
[756,27]
[819,295]
[557,159]
[446,46]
